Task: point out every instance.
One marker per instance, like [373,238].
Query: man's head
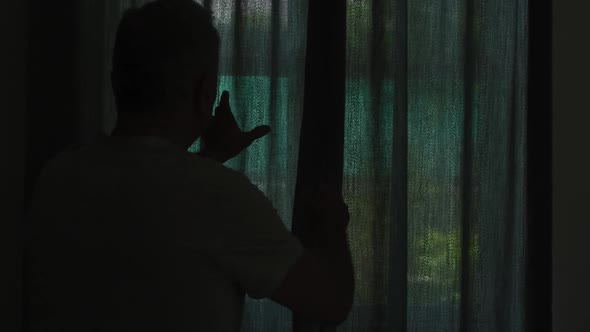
[165,60]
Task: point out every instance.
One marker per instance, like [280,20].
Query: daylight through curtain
[464,98]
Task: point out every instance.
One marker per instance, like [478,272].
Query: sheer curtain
[435,163]
[434,146]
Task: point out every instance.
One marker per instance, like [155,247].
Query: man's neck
[136,126]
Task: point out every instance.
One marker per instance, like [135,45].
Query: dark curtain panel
[539,314]
[321,148]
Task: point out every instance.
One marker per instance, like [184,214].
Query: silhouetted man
[134,233]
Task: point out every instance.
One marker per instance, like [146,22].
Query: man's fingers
[225,117]
[258,132]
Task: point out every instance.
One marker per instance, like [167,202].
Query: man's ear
[203,100]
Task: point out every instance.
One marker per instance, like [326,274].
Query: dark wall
[13,101]
[51,75]
[571,150]
[39,103]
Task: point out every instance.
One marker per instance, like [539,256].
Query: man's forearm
[333,250]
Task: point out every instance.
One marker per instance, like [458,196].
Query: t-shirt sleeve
[249,240]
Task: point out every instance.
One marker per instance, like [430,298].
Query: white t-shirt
[140,235]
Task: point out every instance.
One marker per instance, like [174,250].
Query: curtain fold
[321,149]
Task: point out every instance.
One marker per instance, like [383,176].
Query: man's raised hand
[224,139]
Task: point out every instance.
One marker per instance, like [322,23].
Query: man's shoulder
[64,158]
[223,182]
[212,171]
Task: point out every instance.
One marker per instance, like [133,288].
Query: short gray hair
[158,49]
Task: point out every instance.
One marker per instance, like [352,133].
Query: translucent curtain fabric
[466,80]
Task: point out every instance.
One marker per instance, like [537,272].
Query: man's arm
[320,286]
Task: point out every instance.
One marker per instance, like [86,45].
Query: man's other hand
[330,216]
